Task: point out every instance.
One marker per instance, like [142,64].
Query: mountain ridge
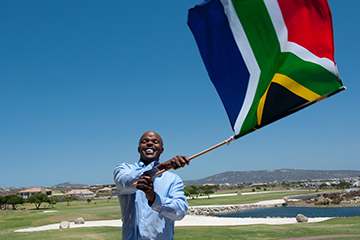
[69,184]
[279,175]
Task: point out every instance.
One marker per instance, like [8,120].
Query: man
[150,208]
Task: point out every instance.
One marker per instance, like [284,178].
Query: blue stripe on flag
[221,56]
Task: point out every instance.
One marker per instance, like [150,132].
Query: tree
[38,199]
[68,200]
[190,191]
[285,184]
[88,200]
[52,202]
[2,202]
[207,192]
[240,186]
[323,185]
[14,200]
[215,187]
[344,185]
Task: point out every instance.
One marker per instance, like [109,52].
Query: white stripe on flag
[249,59]
[286,46]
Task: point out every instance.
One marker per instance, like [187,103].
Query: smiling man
[150,208]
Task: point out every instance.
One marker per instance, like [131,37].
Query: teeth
[149,150]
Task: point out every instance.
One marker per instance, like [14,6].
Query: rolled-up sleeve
[174,205]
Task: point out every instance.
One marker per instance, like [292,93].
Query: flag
[266,58]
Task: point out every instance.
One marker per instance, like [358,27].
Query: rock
[64,225]
[79,220]
[323,201]
[301,218]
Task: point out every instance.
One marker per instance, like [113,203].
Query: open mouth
[149,151]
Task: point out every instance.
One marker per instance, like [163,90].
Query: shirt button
[143,218]
[140,229]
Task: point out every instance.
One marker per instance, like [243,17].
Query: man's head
[150,147]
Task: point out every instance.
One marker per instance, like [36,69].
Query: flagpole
[227,142]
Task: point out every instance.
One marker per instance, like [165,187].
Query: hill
[69,185]
[280,175]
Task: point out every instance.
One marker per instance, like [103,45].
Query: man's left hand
[146,185]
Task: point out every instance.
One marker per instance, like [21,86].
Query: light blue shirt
[141,219]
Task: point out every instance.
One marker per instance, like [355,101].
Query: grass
[11,220]
[244,199]
[338,226]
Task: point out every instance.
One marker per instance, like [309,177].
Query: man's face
[150,147]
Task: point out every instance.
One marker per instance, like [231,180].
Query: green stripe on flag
[261,34]
[316,78]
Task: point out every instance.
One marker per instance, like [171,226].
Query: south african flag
[266,58]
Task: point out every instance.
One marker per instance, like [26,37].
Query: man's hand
[145,184]
[174,163]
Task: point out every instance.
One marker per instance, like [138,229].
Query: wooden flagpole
[227,141]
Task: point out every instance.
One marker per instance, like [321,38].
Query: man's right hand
[174,163]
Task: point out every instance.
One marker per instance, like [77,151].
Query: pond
[294,211]
[308,196]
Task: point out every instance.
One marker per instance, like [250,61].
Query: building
[29,192]
[105,190]
[80,193]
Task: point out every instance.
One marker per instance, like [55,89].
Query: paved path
[191,220]
[187,221]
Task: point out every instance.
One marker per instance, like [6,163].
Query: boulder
[64,225]
[301,218]
[79,220]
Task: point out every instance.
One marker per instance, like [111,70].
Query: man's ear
[139,149]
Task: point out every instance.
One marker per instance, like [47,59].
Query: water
[294,211]
[305,197]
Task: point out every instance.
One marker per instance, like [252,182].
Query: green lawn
[338,226]
[11,220]
[244,199]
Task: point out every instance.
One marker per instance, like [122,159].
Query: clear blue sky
[80,81]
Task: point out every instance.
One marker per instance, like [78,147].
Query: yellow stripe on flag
[295,87]
[289,84]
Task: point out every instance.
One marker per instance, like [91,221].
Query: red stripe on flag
[309,24]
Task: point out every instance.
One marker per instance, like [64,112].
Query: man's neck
[147,162]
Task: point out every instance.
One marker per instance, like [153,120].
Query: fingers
[179,162]
[145,184]
[174,163]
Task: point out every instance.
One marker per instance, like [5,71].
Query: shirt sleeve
[174,206]
[125,175]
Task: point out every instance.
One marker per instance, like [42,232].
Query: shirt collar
[141,164]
